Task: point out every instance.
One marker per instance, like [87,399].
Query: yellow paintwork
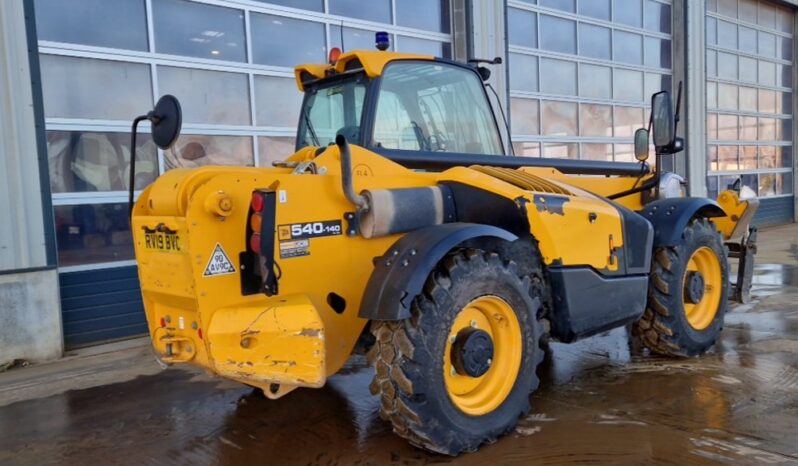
[701,314]
[738,214]
[373,62]
[186,201]
[568,238]
[283,343]
[295,338]
[480,395]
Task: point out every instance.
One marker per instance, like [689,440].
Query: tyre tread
[400,346]
[659,329]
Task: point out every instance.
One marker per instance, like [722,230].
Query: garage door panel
[750,102]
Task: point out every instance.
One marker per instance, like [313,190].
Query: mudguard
[399,274]
[671,216]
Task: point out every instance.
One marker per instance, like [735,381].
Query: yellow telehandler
[398,227]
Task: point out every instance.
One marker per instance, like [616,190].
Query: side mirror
[663,122]
[641,144]
[166,118]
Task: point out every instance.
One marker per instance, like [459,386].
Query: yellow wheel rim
[701,314]
[483,394]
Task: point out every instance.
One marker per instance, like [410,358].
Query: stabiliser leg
[744,251]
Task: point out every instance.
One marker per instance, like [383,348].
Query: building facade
[576,81]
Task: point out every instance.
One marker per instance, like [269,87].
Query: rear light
[199,333]
[254,243]
[257,262]
[257,202]
[255,222]
[163,322]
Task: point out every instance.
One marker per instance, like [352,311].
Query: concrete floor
[600,401]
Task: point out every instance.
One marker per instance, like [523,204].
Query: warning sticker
[219,264]
[294,248]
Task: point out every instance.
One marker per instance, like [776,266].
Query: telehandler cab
[397,227]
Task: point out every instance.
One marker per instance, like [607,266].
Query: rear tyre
[459,372]
[687,296]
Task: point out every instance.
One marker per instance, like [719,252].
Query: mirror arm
[131,186]
[153,117]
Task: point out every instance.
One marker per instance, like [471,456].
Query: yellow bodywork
[190,222]
[295,338]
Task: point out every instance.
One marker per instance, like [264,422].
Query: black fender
[400,273]
[671,216]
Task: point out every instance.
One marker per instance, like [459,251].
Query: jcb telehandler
[398,226]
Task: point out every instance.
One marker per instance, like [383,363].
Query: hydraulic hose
[652,183]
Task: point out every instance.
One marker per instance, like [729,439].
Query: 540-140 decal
[307,230]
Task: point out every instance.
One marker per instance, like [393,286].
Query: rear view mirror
[166,118]
[641,144]
[663,123]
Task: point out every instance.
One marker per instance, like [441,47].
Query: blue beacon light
[381,40]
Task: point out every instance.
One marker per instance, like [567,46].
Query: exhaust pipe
[346,175]
[384,212]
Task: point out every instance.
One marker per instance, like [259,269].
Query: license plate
[162,241]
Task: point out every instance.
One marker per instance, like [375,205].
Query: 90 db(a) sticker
[306,230]
[296,248]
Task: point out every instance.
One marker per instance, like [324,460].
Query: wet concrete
[601,401]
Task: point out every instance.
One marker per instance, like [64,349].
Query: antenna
[343,49]
[678,106]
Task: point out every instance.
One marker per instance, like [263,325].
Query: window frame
[311,89]
[372,100]
[255,131]
[714,175]
[651,77]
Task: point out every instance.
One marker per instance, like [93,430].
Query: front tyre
[688,291]
[459,372]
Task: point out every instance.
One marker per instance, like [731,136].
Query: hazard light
[335,52]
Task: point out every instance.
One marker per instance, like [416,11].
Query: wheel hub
[482,355]
[694,289]
[472,352]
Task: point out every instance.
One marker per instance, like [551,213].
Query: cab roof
[370,61]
